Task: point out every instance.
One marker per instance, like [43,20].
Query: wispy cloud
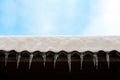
[43,17]
[105,18]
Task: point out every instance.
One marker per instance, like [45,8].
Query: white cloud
[40,16]
[37,17]
[105,18]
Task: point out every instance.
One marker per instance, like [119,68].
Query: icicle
[81,61]
[69,61]
[18,60]
[95,60]
[6,58]
[30,60]
[108,60]
[55,59]
[44,59]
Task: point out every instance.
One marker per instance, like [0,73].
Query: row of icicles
[56,56]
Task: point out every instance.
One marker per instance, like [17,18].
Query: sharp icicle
[30,60]
[55,59]
[18,60]
[6,58]
[108,59]
[81,61]
[95,60]
[44,59]
[69,61]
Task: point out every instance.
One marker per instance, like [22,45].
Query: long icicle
[44,59]
[81,61]
[30,60]
[6,58]
[69,61]
[95,60]
[108,59]
[18,60]
[55,59]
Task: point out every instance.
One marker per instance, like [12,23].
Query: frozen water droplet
[44,59]
[81,61]
[6,58]
[69,61]
[55,59]
[108,60]
[95,60]
[18,60]
[30,60]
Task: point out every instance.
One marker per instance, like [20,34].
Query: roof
[58,43]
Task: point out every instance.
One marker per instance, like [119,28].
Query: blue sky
[59,17]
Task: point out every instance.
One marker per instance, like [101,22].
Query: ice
[81,61]
[95,60]
[108,59]
[30,60]
[69,61]
[18,60]
[44,59]
[55,59]
[6,58]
